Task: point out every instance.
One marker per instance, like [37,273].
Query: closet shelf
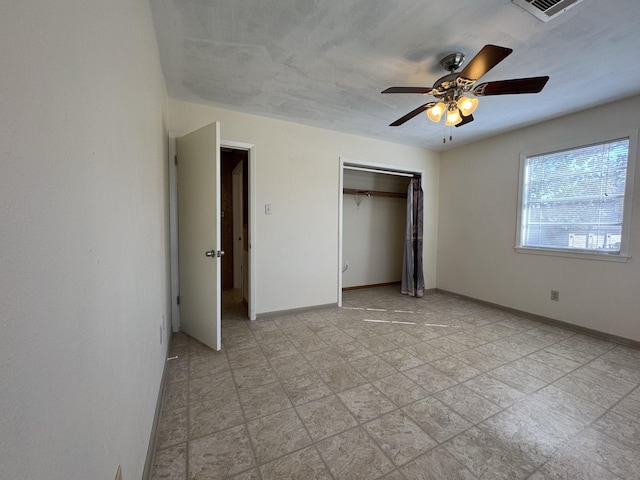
[373,193]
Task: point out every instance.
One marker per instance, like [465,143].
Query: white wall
[477,228]
[298,174]
[83,257]
[373,240]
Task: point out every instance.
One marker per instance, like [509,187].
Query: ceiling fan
[452,91]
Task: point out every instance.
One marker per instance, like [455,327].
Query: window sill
[607,257]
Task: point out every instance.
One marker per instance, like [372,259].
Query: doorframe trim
[173,234]
[251,153]
[173,226]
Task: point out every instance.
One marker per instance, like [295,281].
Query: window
[575,200]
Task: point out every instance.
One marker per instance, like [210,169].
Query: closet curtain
[412,275]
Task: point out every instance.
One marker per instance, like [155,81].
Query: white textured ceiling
[324,62]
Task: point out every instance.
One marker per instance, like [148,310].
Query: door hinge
[178,300]
[175,159]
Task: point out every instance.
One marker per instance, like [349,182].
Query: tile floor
[394,387]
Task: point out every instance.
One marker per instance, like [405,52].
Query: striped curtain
[412,275]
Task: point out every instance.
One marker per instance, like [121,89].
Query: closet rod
[373,193]
[386,172]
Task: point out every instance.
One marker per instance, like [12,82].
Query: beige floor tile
[277,434]
[283,348]
[568,464]
[517,379]
[304,464]
[494,390]
[399,437]
[373,368]
[487,458]
[263,400]
[467,403]
[341,377]
[536,369]
[170,463]
[554,361]
[435,418]
[177,370]
[325,358]
[252,474]
[426,352]
[479,360]
[255,376]
[567,404]
[629,406]
[305,388]
[400,359]
[353,351]
[400,389]
[326,417]
[291,366]
[429,378]
[621,428]
[532,430]
[352,455]
[366,402]
[220,455]
[207,388]
[175,395]
[456,369]
[378,344]
[446,345]
[213,415]
[589,391]
[437,464]
[501,354]
[172,428]
[614,456]
[246,357]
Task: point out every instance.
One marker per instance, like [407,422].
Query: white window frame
[621,256]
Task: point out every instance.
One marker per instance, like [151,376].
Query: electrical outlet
[119,473]
[555,295]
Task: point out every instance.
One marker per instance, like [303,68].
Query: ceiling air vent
[545,10]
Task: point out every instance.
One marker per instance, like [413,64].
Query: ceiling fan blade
[485,60]
[511,87]
[465,120]
[423,90]
[412,114]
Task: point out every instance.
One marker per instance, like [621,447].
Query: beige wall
[477,228]
[83,230]
[373,237]
[298,174]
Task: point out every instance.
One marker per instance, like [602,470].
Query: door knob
[220,253]
[210,253]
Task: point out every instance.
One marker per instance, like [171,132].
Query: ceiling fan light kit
[453,91]
[453,116]
[435,113]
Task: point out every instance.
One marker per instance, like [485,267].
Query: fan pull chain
[444,135]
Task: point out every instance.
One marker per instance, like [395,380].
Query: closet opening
[373,224]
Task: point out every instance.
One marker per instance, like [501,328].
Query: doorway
[234,222]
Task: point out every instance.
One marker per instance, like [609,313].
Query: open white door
[199,234]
